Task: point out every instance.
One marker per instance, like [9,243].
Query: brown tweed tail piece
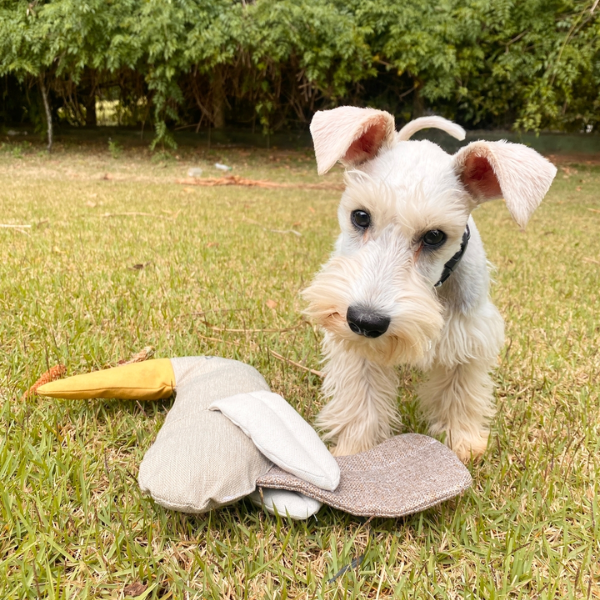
[403,475]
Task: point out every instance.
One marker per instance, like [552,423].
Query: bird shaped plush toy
[227,436]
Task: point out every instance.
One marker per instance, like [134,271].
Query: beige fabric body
[200,459]
[401,476]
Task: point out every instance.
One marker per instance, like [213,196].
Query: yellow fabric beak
[149,380]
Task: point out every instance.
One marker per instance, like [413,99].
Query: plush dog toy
[228,436]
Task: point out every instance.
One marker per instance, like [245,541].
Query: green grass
[73,522]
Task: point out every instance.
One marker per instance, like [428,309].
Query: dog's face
[402,218]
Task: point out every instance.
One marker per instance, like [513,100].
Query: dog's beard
[416,314]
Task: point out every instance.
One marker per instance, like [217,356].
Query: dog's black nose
[366,322]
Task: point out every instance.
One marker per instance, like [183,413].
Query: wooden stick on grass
[296,364]
[262,183]
[225,329]
[136,214]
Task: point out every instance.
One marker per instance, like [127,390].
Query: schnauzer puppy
[408,280]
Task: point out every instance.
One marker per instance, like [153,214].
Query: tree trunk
[48,111]
[91,119]
[218,101]
[418,104]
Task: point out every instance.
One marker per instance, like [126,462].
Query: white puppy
[408,281]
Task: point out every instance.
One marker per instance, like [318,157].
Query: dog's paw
[336,451]
[350,446]
[344,450]
[468,447]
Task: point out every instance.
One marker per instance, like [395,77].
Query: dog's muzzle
[364,321]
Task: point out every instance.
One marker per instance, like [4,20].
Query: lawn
[120,256]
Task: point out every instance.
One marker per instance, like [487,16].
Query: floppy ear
[514,172]
[349,134]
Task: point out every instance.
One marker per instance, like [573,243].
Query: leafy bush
[528,64]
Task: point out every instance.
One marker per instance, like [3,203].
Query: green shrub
[532,64]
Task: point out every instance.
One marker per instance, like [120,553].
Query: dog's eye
[434,238]
[360,219]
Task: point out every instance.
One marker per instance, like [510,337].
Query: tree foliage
[528,64]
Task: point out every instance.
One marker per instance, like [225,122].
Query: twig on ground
[215,310]
[356,562]
[140,356]
[594,210]
[252,222]
[235,344]
[9,226]
[591,260]
[141,408]
[203,313]
[136,214]
[353,565]
[286,231]
[225,329]
[36,577]
[262,183]
[296,364]
[212,339]
[168,212]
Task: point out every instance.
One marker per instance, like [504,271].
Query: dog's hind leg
[458,397]
[362,410]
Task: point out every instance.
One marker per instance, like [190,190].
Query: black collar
[453,262]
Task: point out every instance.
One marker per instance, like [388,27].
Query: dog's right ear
[349,134]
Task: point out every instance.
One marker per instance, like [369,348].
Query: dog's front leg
[362,410]
[458,402]
[458,397]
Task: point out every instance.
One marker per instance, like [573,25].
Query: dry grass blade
[9,226]
[296,364]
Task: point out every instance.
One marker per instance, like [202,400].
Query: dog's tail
[449,127]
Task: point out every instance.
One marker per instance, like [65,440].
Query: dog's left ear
[514,172]
[349,134]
